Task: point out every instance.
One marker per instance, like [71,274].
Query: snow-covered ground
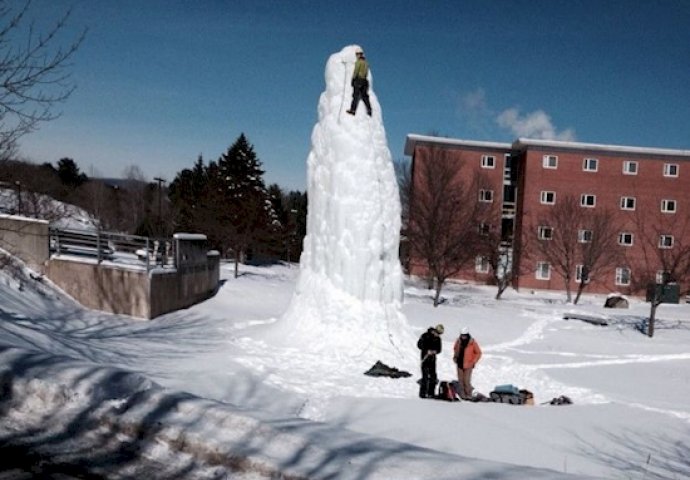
[202,392]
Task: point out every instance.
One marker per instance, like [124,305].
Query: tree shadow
[104,422]
[639,323]
[654,456]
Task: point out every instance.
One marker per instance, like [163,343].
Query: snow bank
[119,424]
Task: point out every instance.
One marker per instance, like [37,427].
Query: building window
[670,169]
[627,203]
[481,265]
[590,164]
[668,206]
[550,161]
[548,198]
[630,167]
[584,236]
[588,200]
[581,274]
[622,276]
[543,271]
[625,238]
[488,161]
[545,233]
[665,241]
[486,196]
[484,229]
[663,276]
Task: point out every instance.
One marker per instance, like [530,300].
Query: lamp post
[19,197]
[160,181]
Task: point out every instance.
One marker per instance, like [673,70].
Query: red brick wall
[609,184]
[469,161]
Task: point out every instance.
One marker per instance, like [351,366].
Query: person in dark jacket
[360,83]
[429,345]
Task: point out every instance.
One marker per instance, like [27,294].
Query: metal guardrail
[113,247]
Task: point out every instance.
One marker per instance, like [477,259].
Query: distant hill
[59,214]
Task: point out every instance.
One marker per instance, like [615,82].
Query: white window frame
[583,200]
[481,264]
[543,197]
[626,200]
[582,236]
[544,232]
[578,274]
[626,167]
[665,203]
[539,273]
[483,229]
[547,161]
[486,196]
[623,236]
[623,275]
[666,241]
[659,276]
[671,166]
[488,161]
[590,164]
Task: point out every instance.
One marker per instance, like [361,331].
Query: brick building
[639,196]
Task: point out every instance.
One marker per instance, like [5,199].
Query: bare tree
[444,211]
[578,242]
[665,258]
[498,250]
[556,241]
[135,198]
[598,246]
[34,74]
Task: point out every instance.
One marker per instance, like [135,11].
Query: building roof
[524,143]
[413,139]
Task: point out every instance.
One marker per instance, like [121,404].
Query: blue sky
[161,81]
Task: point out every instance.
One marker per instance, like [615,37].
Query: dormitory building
[646,191]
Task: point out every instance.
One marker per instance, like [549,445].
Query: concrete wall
[172,290]
[101,287]
[26,238]
[135,292]
[110,288]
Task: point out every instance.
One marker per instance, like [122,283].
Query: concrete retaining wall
[102,287]
[26,238]
[134,292]
[172,290]
[114,289]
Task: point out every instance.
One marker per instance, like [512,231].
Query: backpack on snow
[512,395]
[446,391]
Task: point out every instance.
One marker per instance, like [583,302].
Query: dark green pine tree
[244,211]
[186,193]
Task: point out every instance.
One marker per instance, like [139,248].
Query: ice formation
[349,294]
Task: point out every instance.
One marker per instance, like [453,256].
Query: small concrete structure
[135,292]
[124,289]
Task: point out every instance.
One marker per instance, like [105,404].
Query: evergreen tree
[243,210]
[69,173]
[186,194]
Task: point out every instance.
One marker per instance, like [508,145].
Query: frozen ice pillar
[349,293]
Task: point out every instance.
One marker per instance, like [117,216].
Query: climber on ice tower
[360,84]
